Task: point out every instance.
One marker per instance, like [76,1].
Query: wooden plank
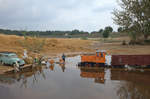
[12,69]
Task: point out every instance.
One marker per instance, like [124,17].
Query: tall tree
[101,31]
[107,31]
[134,17]
[120,29]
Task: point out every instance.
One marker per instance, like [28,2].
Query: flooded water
[71,82]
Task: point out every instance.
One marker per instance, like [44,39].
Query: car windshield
[12,56]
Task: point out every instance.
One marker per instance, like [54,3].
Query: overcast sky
[87,15]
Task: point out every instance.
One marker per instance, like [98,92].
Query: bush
[124,42]
[33,44]
[105,34]
[84,38]
[147,41]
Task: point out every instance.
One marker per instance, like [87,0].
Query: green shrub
[84,38]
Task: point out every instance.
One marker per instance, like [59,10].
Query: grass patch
[84,38]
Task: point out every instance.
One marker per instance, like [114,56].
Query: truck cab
[94,60]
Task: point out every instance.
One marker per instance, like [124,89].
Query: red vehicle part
[133,60]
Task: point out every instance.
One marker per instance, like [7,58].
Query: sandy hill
[52,45]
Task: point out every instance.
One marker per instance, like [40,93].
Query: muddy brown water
[71,82]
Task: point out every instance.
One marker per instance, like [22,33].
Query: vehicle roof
[100,50]
[8,53]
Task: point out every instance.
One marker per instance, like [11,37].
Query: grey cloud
[56,14]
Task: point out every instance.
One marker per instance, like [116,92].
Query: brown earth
[56,46]
[52,45]
[117,48]
[114,46]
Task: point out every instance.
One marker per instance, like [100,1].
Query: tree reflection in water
[130,84]
[133,85]
[22,77]
[35,72]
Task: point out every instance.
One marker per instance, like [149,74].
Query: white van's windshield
[13,56]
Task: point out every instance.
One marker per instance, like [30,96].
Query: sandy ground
[52,46]
[118,49]
[55,47]
[114,46]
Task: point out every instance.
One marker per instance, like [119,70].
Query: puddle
[71,82]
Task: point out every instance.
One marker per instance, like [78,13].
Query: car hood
[20,60]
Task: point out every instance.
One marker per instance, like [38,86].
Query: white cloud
[87,15]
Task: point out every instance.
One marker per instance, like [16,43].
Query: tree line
[102,32]
[40,33]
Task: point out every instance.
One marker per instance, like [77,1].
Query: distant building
[66,34]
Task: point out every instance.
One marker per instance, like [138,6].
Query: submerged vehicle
[10,58]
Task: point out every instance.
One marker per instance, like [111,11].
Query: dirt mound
[52,45]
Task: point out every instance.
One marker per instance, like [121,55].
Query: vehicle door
[6,59]
[10,59]
[1,56]
[99,57]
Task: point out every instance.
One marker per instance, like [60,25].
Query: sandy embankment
[52,46]
[114,46]
[57,46]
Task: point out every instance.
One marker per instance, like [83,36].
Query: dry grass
[114,46]
[55,46]
[52,46]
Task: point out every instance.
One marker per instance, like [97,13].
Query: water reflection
[93,72]
[133,85]
[41,82]
[34,73]
[4,91]
[6,80]
[51,67]
[22,77]
[62,67]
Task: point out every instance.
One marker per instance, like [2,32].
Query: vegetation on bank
[50,46]
[106,32]
[134,19]
[41,33]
